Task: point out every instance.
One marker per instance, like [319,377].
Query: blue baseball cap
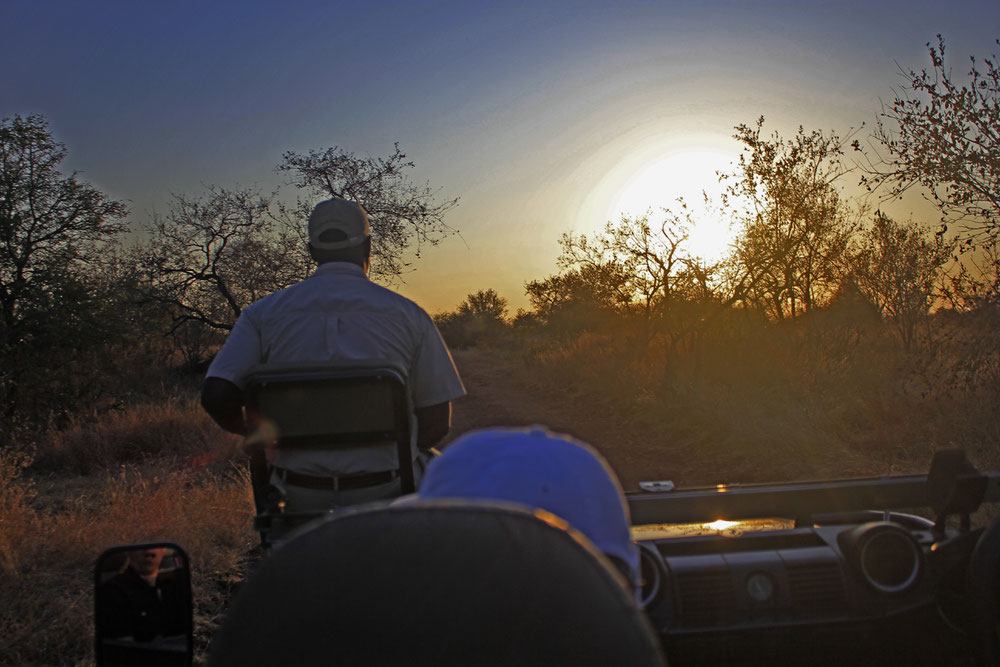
[540,469]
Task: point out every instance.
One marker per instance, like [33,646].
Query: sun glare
[654,175]
[721,524]
[661,182]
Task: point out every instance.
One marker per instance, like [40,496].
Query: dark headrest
[436,584]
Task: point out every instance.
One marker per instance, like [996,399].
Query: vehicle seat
[437,583]
[323,406]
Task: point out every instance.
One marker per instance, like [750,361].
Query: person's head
[545,470]
[146,562]
[339,232]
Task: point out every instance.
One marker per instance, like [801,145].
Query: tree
[594,287]
[485,304]
[54,316]
[402,214]
[213,255]
[944,137]
[50,227]
[974,283]
[650,262]
[481,316]
[790,254]
[897,268]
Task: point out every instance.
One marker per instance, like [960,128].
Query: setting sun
[659,174]
[661,182]
[685,175]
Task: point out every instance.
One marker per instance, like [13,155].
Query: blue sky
[538,115]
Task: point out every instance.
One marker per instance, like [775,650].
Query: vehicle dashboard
[852,587]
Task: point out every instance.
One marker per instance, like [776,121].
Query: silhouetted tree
[50,227]
[974,283]
[651,260]
[403,215]
[942,134]
[481,316]
[485,304]
[897,267]
[593,287]
[211,256]
[54,315]
[790,253]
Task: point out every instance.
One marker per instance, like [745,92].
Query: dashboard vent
[817,587]
[705,596]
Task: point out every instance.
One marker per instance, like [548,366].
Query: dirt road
[499,396]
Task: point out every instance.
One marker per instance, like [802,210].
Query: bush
[178,429]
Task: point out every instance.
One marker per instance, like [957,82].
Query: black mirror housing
[143,614]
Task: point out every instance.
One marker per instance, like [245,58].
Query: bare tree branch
[403,215]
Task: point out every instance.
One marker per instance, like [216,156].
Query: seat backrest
[330,406]
[437,583]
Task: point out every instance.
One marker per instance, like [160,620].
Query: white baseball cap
[540,469]
[347,217]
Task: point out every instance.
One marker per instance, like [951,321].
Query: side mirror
[142,606]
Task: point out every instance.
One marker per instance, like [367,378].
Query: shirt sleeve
[239,354]
[434,378]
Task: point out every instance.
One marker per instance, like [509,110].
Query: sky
[543,118]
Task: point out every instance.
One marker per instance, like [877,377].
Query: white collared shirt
[337,315]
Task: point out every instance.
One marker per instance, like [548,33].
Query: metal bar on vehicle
[789,500]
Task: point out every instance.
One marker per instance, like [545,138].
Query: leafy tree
[547,294]
[647,270]
[790,255]
[51,226]
[53,316]
[402,214]
[897,267]
[575,300]
[596,287]
[485,304]
[481,316]
[942,134]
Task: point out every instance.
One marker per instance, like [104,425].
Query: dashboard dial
[760,587]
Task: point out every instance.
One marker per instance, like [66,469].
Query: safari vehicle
[835,572]
[831,580]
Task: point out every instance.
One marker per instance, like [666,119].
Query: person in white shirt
[337,316]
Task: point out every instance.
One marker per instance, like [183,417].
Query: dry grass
[175,428]
[52,527]
[755,401]
[739,399]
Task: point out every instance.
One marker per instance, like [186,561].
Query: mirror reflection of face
[146,562]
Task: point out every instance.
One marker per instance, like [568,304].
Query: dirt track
[496,397]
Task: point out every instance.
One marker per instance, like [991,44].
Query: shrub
[178,429]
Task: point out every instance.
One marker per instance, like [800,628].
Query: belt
[337,483]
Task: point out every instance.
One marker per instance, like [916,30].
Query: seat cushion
[437,583]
